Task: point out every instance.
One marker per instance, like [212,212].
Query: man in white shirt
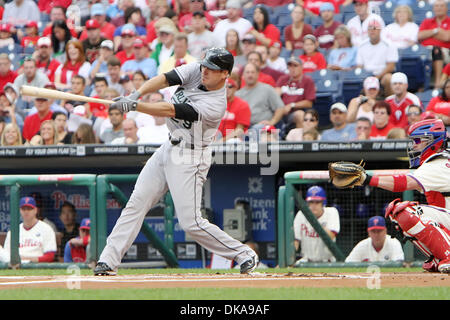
[233,21]
[378,246]
[377,56]
[312,246]
[200,38]
[359,23]
[19,12]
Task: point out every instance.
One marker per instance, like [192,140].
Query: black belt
[176,142]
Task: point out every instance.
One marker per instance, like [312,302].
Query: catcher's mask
[316,193]
[427,137]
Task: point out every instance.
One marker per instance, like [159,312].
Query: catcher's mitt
[345,174]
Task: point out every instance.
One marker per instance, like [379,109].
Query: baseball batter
[428,227]
[312,246]
[181,164]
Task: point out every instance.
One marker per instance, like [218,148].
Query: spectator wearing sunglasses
[413,112]
[310,123]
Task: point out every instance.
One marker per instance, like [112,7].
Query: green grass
[287,293]
[431,293]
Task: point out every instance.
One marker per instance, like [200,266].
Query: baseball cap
[31,24]
[371,83]
[376,222]
[232,82]
[310,36]
[399,77]
[85,224]
[250,38]
[340,106]
[166,29]
[12,86]
[374,23]
[295,60]
[326,6]
[6,27]
[128,28]
[269,128]
[124,78]
[44,41]
[139,43]
[236,4]
[50,85]
[92,24]
[97,9]
[107,44]
[27,202]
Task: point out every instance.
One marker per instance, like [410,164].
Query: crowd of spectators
[105,49]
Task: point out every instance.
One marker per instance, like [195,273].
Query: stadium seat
[315,21]
[387,17]
[427,95]
[416,63]
[286,9]
[324,74]
[338,17]
[327,92]
[420,6]
[422,15]
[11,48]
[352,82]
[285,53]
[29,50]
[347,9]
[283,21]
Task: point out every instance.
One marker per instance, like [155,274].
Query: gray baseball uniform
[182,169]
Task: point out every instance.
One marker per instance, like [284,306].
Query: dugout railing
[17,182]
[290,199]
[99,188]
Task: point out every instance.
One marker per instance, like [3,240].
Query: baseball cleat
[249,265]
[102,269]
[444,266]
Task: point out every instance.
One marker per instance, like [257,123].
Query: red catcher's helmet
[427,137]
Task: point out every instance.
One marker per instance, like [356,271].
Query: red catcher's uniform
[433,176]
[398,109]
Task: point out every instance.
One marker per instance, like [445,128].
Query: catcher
[428,227]
[427,153]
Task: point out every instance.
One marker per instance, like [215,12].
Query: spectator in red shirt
[294,33]
[33,122]
[255,58]
[99,109]
[127,39]
[312,59]
[400,100]
[6,74]
[31,35]
[236,119]
[445,75]
[297,91]
[264,31]
[381,125]
[57,13]
[436,32]
[107,29]
[325,32]
[44,61]
[440,105]
[47,5]
[184,24]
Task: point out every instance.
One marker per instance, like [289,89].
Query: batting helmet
[428,137]
[316,193]
[218,59]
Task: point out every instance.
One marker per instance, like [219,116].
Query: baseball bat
[58,95]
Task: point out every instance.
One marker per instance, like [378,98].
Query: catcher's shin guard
[431,238]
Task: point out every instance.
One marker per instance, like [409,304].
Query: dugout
[236,173]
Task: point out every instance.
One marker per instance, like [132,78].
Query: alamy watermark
[374,280]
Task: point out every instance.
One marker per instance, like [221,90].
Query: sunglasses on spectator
[127,36]
[196,0]
[413,113]
[310,119]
